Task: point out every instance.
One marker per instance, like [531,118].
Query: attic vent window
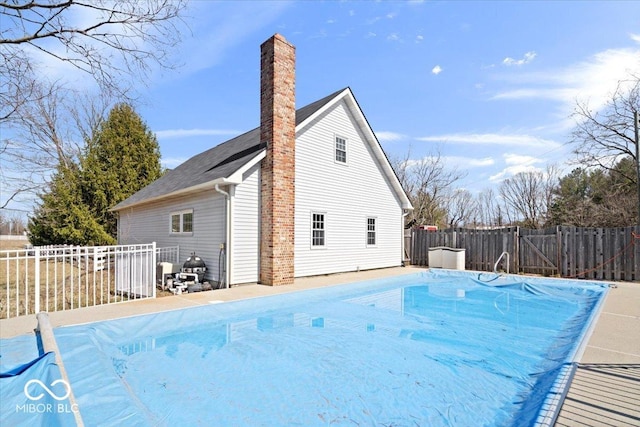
[341,150]
[182,222]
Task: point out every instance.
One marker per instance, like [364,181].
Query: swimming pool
[436,348]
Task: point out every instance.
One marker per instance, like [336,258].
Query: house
[308,192]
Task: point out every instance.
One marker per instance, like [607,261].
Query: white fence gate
[68,277]
[135,273]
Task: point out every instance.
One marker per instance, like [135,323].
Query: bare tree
[528,195]
[43,122]
[17,82]
[51,130]
[104,38]
[600,138]
[429,183]
[463,209]
[490,209]
[12,225]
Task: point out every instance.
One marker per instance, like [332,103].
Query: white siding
[347,194]
[151,223]
[246,240]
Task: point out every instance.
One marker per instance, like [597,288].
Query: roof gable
[369,137]
[215,165]
[221,164]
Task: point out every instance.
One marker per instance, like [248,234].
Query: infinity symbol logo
[51,393]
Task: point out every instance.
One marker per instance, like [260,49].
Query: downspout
[227,249]
[118,227]
[405,212]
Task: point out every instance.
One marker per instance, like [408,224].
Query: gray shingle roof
[218,162]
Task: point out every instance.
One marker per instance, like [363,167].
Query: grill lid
[194,262]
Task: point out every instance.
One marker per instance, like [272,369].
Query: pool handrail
[495,266]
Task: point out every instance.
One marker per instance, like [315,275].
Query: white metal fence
[68,277]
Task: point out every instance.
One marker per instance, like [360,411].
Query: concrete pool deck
[605,389]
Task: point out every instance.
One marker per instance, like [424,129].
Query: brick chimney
[277,130]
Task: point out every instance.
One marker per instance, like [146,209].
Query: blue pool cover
[32,394]
[438,348]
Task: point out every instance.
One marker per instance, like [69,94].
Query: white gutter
[228,235]
[196,188]
[235,178]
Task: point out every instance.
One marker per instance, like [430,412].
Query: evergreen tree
[597,197]
[122,157]
[573,202]
[63,217]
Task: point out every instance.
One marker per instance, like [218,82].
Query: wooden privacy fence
[571,252]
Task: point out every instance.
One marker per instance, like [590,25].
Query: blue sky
[489,85]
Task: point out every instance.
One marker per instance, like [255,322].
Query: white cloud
[394,37]
[558,94]
[371,34]
[515,140]
[186,133]
[596,79]
[469,162]
[518,159]
[389,136]
[436,70]
[487,161]
[592,80]
[461,162]
[511,171]
[516,164]
[528,57]
[419,38]
[635,37]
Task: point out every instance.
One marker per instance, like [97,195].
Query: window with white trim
[371,231]
[182,222]
[317,230]
[341,150]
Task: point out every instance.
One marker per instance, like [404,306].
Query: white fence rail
[170,254]
[57,278]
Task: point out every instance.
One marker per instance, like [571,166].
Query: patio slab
[605,390]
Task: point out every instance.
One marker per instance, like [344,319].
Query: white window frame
[181,222]
[312,230]
[374,231]
[336,150]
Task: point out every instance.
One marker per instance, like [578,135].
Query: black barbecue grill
[195,265]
